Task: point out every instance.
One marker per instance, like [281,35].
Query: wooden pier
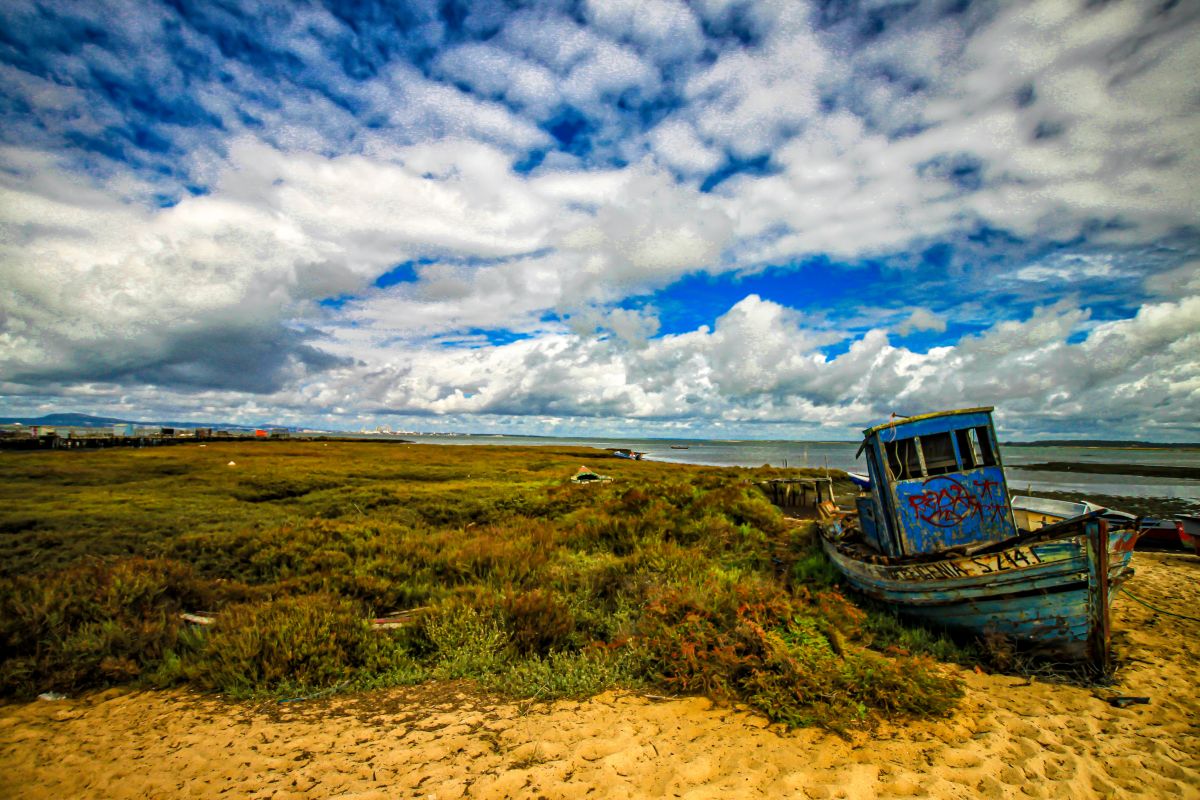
[793,494]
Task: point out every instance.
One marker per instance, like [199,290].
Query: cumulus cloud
[762,370]
[1182,280]
[87,279]
[921,319]
[667,29]
[758,365]
[678,145]
[283,229]
[497,72]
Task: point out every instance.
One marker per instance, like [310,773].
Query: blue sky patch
[571,130]
[404,272]
[475,338]
[759,165]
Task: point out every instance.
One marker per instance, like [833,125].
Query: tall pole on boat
[1099,620]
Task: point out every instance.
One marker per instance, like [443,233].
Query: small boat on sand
[1190,533]
[861,481]
[936,537]
[1160,534]
[1034,513]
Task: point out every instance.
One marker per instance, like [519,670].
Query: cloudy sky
[728,219]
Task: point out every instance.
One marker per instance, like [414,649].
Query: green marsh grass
[671,578]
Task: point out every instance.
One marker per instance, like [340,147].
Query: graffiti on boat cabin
[945,502]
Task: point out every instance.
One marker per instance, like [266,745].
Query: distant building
[280,433]
[123,429]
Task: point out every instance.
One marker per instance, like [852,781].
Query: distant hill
[88,421]
[1104,443]
[75,420]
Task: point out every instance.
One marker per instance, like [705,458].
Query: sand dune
[1010,738]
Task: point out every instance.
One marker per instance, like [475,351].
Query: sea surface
[841,455]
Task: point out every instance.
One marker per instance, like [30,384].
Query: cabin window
[903,459]
[938,449]
[983,441]
[966,449]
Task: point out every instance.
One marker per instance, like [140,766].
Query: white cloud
[557,42]
[677,144]
[86,271]
[750,102]
[1183,280]
[282,229]
[760,365]
[498,72]
[666,28]
[607,71]
[922,319]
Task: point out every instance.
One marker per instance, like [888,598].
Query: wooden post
[1099,620]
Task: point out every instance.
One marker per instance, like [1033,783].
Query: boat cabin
[936,483]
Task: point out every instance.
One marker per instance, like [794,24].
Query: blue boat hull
[1043,592]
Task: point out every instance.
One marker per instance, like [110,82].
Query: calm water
[840,455]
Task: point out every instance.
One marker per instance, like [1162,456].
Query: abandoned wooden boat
[936,537]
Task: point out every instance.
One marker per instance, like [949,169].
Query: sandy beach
[1010,737]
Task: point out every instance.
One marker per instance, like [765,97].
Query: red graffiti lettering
[944,502]
[989,499]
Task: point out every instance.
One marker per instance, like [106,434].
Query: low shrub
[815,569]
[574,674]
[539,620]
[264,489]
[799,659]
[466,643]
[290,644]
[808,675]
[95,624]
[889,634]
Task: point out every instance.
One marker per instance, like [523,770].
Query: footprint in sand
[1022,749]
[990,788]
[1103,787]
[1025,730]
[1060,769]
[1013,776]
[901,788]
[961,759]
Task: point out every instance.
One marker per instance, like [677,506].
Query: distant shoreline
[87,421]
[1087,444]
[1139,470]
